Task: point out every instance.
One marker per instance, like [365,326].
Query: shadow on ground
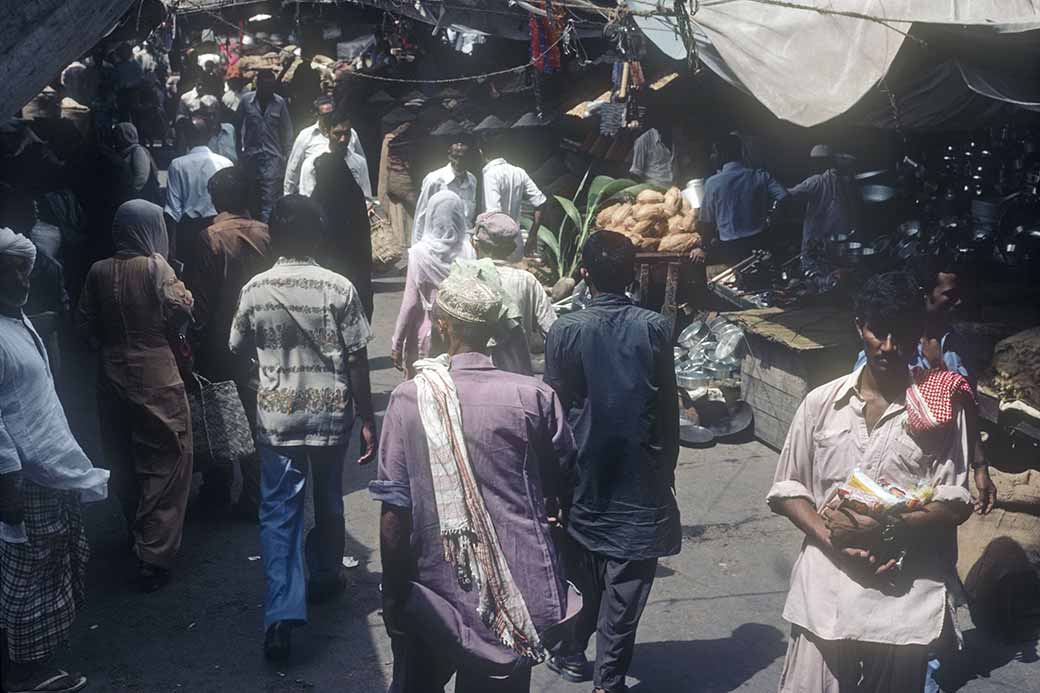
[981,657]
[706,665]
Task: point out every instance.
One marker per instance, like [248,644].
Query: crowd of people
[519,516]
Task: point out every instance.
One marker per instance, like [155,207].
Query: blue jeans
[283,486]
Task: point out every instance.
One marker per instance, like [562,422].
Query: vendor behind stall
[654,156]
[736,206]
[830,205]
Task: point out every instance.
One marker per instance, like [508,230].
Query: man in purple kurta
[485,613]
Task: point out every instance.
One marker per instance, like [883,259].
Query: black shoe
[152,578]
[277,641]
[573,668]
[323,590]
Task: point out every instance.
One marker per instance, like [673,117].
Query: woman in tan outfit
[128,306]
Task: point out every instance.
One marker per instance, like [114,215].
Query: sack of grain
[679,243]
[621,215]
[606,216]
[677,225]
[650,197]
[658,229]
[642,228]
[649,211]
[673,202]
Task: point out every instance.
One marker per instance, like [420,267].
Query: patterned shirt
[303,321]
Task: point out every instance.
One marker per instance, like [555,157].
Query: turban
[469,300]
[16,244]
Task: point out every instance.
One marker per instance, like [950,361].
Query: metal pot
[877,193]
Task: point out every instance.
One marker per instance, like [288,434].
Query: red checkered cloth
[930,398]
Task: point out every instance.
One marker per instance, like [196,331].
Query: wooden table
[645,263]
[791,352]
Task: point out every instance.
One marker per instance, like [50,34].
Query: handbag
[220,430]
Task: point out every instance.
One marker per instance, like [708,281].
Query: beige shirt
[828,439]
[537,314]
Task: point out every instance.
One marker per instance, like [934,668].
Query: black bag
[220,429]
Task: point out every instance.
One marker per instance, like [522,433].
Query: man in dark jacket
[612,367]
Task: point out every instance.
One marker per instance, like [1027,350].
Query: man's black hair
[730,148]
[928,271]
[610,260]
[197,131]
[228,190]
[297,227]
[461,138]
[888,298]
[342,113]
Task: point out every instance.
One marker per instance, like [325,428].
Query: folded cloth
[930,398]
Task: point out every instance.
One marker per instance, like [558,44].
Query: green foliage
[566,244]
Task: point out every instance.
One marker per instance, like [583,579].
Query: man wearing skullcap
[44,475]
[496,238]
[471,582]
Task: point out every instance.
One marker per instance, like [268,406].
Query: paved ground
[713,622]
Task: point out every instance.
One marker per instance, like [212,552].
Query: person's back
[612,366]
[737,199]
[507,423]
[604,363]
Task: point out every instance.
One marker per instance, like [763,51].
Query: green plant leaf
[605,187]
[571,211]
[629,192]
[553,243]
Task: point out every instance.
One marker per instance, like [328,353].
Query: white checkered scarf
[469,537]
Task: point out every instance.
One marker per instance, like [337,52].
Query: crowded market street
[713,623]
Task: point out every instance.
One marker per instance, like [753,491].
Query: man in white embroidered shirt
[861,621]
[307,329]
[311,143]
[453,177]
[507,187]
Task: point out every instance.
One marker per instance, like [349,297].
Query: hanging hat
[821,151]
[492,122]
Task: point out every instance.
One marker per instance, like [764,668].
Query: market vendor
[736,206]
[453,177]
[653,157]
[507,187]
[830,200]
[861,619]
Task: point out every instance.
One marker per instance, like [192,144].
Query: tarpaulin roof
[40,37]
[811,63]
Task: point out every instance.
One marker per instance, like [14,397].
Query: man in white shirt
[507,187]
[189,209]
[862,619]
[653,158]
[453,177]
[311,143]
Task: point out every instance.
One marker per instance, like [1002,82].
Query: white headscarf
[444,241]
[16,244]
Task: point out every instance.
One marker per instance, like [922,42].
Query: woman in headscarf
[141,175]
[429,262]
[130,305]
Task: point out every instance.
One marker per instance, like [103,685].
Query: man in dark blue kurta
[612,367]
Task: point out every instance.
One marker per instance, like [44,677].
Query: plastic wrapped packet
[863,494]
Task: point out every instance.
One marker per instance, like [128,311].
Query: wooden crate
[789,353]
